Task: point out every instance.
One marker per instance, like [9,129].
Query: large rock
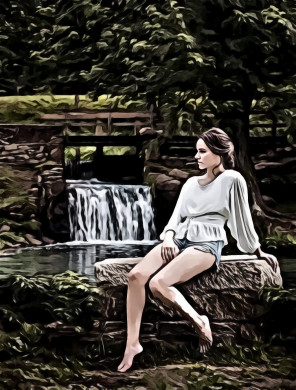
[178,174]
[154,167]
[166,183]
[230,297]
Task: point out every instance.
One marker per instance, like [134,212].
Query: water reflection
[56,259]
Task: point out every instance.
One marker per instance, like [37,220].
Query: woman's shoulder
[191,180]
[235,180]
[233,174]
[229,175]
[232,177]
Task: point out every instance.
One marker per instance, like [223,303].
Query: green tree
[148,52]
[68,44]
[200,63]
[17,25]
[253,43]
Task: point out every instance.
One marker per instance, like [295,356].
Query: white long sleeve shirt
[202,211]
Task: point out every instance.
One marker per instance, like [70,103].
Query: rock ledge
[230,298]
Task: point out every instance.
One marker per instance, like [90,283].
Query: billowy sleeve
[177,213]
[240,220]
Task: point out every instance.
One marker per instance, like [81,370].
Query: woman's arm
[169,249]
[241,224]
[240,220]
[177,213]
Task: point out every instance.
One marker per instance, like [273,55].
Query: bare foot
[129,354]
[204,332]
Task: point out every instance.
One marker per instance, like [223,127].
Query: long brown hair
[220,144]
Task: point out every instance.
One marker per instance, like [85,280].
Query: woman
[193,239]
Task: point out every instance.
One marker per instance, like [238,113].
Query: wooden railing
[104,122]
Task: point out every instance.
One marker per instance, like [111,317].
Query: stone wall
[235,309]
[32,156]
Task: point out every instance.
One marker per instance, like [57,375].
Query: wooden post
[109,124]
[66,128]
[77,157]
[99,128]
[76,101]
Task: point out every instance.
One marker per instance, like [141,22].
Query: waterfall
[110,212]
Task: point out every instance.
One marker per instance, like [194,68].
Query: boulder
[162,178]
[32,240]
[57,154]
[174,162]
[166,183]
[229,297]
[155,167]
[179,174]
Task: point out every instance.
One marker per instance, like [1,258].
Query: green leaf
[11,237]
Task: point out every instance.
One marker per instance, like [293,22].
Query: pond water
[75,256]
[80,257]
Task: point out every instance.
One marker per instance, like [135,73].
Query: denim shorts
[214,247]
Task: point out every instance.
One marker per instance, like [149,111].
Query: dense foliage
[47,340]
[17,209]
[197,62]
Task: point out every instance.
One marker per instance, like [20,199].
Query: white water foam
[101,212]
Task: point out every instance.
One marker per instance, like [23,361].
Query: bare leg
[135,302]
[182,268]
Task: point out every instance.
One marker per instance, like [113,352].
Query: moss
[16,207]
[28,109]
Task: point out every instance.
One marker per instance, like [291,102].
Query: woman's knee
[155,285]
[138,277]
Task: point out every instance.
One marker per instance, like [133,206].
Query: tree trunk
[237,124]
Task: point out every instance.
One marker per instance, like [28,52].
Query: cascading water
[110,212]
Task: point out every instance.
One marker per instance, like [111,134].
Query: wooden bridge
[104,122]
[118,129]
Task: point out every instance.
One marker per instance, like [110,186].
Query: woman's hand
[270,259]
[169,249]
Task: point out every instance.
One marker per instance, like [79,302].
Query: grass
[28,109]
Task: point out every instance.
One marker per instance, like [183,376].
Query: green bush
[16,207]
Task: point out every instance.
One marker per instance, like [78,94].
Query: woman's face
[205,158]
